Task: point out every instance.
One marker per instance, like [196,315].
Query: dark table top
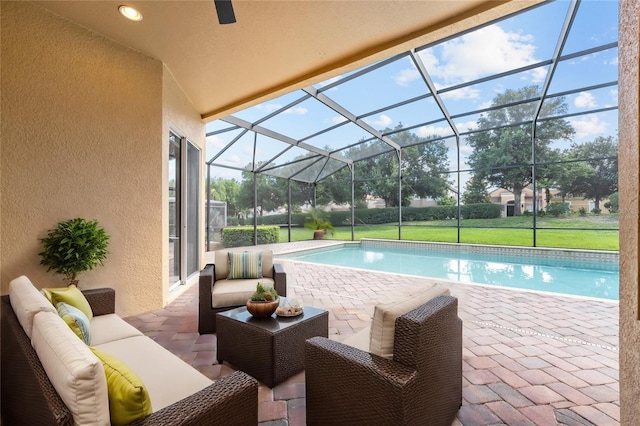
[274,323]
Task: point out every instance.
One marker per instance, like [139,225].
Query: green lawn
[565,236]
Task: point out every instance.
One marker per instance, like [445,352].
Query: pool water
[590,278]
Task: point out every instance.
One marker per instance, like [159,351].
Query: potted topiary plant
[263,302]
[74,246]
[318,223]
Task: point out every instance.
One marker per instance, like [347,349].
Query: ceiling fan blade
[224,8]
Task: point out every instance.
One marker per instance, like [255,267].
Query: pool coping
[544,252]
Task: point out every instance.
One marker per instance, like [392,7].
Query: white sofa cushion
[168,379]
[74,371]
[383,326]
[222,263]
[236,292]
[110,327]
[27,301]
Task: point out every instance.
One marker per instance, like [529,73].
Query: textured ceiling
[275,46]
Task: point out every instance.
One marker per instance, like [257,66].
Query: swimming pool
[554,271]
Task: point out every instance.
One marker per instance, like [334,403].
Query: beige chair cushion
[360,340]
[74,371]
[27,301]
[236,292]
[167,378]
[383,326]
[222,263]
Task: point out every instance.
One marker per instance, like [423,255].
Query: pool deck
[528,359]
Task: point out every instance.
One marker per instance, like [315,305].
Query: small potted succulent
[263,302]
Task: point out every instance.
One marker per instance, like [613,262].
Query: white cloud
[538,75]
[485,104]
[269,107]
[462,93]
[297,110]
[331,81]
[234,160]
[585,100]
[588,126]
[382,121]
[216,141]
[426,131]
[338,119]
[488,50]
[406,76]
[466,126]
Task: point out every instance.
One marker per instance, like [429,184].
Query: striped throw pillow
[245,265]
[76,320]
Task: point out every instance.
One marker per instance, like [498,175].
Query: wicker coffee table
[271,349]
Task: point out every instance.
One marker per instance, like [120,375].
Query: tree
[475,191]
[227,190]
[271,192]
[502,146]
[600,176]
[613,204]
[424,164]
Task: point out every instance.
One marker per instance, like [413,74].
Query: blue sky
[515,42]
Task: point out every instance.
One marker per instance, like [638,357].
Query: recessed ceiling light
[130,13]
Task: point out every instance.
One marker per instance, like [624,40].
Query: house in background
[506,199]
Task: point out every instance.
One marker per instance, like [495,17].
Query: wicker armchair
[421,385]
[208,277]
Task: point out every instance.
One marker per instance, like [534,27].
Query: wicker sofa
[182,395]
[420,385]
[217,293]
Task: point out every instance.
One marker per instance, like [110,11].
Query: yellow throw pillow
[76,320]
[245,265]
[71,296]
[128,398]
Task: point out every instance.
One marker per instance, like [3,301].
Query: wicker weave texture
[269,356]
[422,385]
[207,314]
[101,300]
[29,398]
[230,401]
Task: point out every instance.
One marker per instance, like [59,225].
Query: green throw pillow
[72,296]
[128,398]
[245,265]
[76,320]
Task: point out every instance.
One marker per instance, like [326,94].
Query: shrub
[558,209]
[74,246]
[596,211]
[582,212]
[243,236]
[612,204]
[481,211]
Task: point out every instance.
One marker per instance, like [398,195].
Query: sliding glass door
[184,211]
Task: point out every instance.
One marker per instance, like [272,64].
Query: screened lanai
[503,134]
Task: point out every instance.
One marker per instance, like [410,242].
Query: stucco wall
[629,136]
[180,117]
[82,136]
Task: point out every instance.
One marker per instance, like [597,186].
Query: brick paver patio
[528,358]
